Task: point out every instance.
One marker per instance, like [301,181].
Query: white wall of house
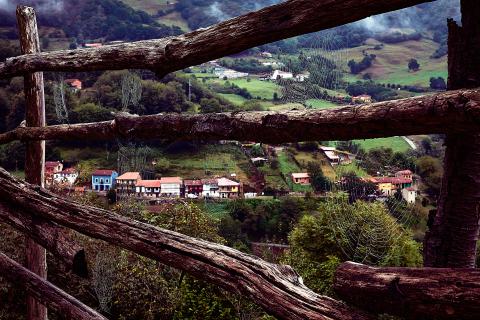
[210,191]
[170,189]
[69,178]
[409,195]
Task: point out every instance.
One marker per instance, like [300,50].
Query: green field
[257,88]
[390,66]
[352,167]
[287,167]
[305,157]
[397,144]
[320,104]
[233,98]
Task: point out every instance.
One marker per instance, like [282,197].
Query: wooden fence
[450,242]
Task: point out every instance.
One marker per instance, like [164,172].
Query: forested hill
[89,19]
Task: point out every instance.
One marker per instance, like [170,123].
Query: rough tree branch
[278,289]
[415,293]
[285,20]
[452,111]
[45,292]
[49,235]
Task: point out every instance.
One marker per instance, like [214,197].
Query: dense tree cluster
[376,91]
[357,67]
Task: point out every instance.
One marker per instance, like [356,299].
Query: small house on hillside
[301,178]
[75,84]
[68,176]
[193,188]
[363,98]
[171,187]
[103,180]
[279,74]
[126,182]
[228,188]
[409,194]
[335,156]
[389,185]
[407,174]
[51,168]
[148,188]
[210,188]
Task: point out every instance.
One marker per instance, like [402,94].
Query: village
[402,183]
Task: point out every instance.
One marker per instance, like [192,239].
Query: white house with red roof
[301,178]
[67,176]
[148,188]
[103,179]
[171,187]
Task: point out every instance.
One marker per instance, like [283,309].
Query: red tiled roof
[210,181]
[224,182]
[171,180]
[192,182]
[68,171]
[103,172]
[149,183]
[52,164]
[404,172]
[392,180]
[130,176]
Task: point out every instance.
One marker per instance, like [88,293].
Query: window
[96,179]
[106,180]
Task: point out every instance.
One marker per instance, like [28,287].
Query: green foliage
[90,112]
[356,68]
[431,171]
[413,65]
[376,91]
[361,232]
[319,182]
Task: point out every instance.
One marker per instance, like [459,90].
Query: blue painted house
[103,180]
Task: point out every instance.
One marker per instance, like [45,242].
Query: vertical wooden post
[451,240]
[35,151]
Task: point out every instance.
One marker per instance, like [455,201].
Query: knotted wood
[413,293]
[451,240]
[278,289]
[287,19]
[66,306]
[35,255]
[453,111]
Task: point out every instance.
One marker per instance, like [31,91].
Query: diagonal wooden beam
[287,19]
[66,305]
[411,293]
[50,236]
[278,289]
[452,111]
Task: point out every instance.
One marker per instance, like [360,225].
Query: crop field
[397,144]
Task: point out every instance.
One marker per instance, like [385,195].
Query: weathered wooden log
[278,289]
[452,111]
[35,255]
[414,293]
[285,20]
[67,306]
[451,240]
[50,236]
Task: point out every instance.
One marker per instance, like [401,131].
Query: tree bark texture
[453,111]
[288,19]
[278,289]
[35,150]
[414,293]
[50,236]
[67,306]
[451,240]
